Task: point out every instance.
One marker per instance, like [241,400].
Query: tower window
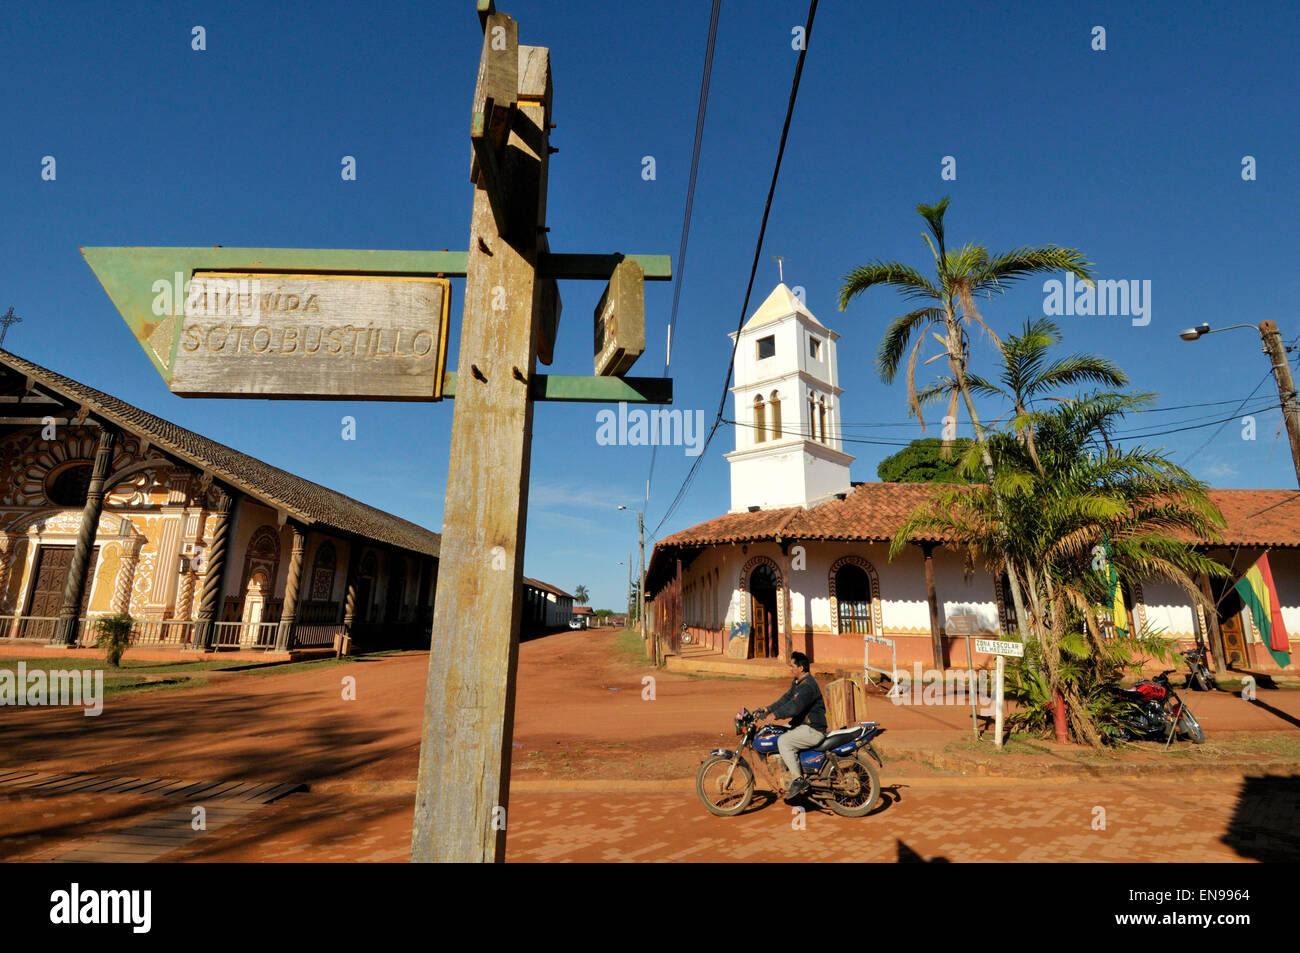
[776,415]
[821,418]
[760,424]
[766,347]
[815,349]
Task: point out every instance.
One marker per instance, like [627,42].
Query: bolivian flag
[1118,613]
[1260,595]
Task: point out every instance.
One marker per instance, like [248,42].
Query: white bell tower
[788,450]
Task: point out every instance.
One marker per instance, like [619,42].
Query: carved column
[289,617]
[215,573]
[65,631]
[350,593]
[7,541]
[184,595]
[131,546]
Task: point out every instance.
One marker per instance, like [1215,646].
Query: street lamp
[640,610]
[1276,350]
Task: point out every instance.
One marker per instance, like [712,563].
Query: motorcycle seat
[840,737]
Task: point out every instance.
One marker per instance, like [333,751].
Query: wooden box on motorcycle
[846,702]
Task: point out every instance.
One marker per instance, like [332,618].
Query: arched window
[821,418]
[853,597]
[70,486]
[812,417]
[760,420]
[322,573]
[776,415]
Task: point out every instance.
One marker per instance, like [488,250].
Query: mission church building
[106,509]
[800,560]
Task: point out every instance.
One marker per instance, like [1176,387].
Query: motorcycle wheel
[722,797]
[855,787]
[1200,681]
[1190,728]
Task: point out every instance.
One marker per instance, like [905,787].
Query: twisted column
[289,616]
[131,547]
[213,574]
[65,632]
[6,558]
[350,593]
[184,595]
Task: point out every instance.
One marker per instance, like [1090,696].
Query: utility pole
[640,593]
[1276,351]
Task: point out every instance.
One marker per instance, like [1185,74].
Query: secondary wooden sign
[620,320]
[254,334]
[1000,647]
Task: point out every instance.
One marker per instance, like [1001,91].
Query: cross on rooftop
[7,319]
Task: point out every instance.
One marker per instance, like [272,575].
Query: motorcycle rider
[804,706]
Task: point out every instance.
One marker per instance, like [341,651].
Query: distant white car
[577,622]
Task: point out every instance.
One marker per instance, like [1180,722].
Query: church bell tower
[788,450]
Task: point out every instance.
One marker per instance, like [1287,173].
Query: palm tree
[1047,514]
[1025,374]
[961,276]
[580,596]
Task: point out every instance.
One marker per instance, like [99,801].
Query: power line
[690,203]
[753,271]
[1197,452]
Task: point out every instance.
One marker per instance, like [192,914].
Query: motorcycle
[1199,673]
[1155,711]
[839,771]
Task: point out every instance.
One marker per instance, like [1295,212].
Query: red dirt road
[586,744]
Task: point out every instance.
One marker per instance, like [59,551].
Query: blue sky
[1132,155]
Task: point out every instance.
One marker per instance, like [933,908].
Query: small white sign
[999,647]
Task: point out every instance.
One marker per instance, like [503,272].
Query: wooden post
[350,587]
[65,632]
[464,779]
[936,623]
[1217,653]
[215,574]
[787,643]
[289,614]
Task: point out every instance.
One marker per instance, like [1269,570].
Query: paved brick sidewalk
[962,820]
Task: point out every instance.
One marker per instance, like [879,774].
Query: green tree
[926,460]
[580,596]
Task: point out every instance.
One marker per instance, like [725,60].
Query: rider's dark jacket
[802,703]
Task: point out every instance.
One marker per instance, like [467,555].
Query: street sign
[620,321]
[1000,647]
[256,334]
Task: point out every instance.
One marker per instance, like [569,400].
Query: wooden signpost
[331,336]
[1001,648]
[373,324]
[619,321]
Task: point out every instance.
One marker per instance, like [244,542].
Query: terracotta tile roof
[307,502]
[872,511]
[1263,518]
[875,512]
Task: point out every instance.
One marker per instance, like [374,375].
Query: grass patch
[1012,744]
[629,648]
[135,666]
